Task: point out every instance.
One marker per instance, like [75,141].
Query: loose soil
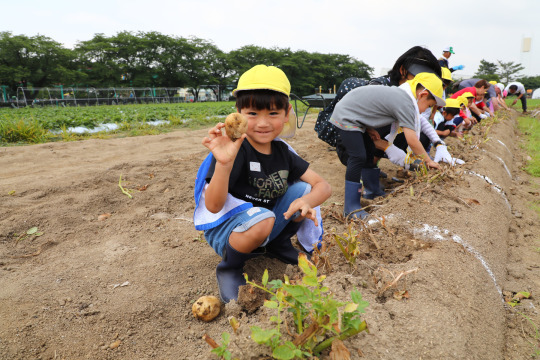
[113,277]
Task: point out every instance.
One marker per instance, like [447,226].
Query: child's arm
[224,151]
[417,148]
[320,191]
[444,133]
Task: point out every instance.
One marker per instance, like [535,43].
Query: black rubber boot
[230,272]
[372,186]
[352,206]
[281,247]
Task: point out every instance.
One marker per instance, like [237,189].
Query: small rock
[115,344]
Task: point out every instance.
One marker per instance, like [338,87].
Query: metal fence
[73,96]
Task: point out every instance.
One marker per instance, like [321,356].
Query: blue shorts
[217,237]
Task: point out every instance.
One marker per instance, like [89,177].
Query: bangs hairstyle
[262,99]
[451,111]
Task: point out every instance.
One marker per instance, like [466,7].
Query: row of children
[252,195]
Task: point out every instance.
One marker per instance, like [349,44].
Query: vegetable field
[36,125]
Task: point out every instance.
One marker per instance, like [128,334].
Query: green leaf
[285,351]
[226,337]
[298,292]
[271,304]
[265,277]
[275,284]
[356,297]
[32,230]
[261,336]
[310,280]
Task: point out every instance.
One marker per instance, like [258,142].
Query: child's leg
[250,239]
[279,245]
[235,239]
[354,143]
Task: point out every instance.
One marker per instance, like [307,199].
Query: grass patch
[17,131]
[530,127]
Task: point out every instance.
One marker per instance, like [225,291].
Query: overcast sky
[376,32]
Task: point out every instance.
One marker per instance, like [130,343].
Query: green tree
[530,82]
[98,59]
[36,61]
[201,56]
[487,71]
[508,70]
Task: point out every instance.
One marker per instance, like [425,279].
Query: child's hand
[306,211]
[380,144]
[221,146]
[373,134]
[432,164]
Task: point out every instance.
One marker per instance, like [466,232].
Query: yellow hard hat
[431,83]
[446,73]
[493,82]
[467,94]
[262,77]
[453,103]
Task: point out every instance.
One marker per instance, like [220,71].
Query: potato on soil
[235,125]
[206,308]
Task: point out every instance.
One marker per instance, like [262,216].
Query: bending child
[364,109]
[255,193]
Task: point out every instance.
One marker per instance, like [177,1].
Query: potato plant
[319,319]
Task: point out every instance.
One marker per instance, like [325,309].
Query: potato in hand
[235,125]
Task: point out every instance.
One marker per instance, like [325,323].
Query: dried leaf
[210,341]
[399,295]
[234,323]
[472,201]
[144,187]
[521,295]
[339,351]
[103,217]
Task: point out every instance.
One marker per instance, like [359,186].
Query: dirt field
[114,278]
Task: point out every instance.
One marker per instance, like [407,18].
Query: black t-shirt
[260,178]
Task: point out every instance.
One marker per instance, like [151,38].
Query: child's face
[264,125]
[470,100]
[447,116]
[424,101]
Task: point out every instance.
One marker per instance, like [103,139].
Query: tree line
[151,59]
[505,72]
